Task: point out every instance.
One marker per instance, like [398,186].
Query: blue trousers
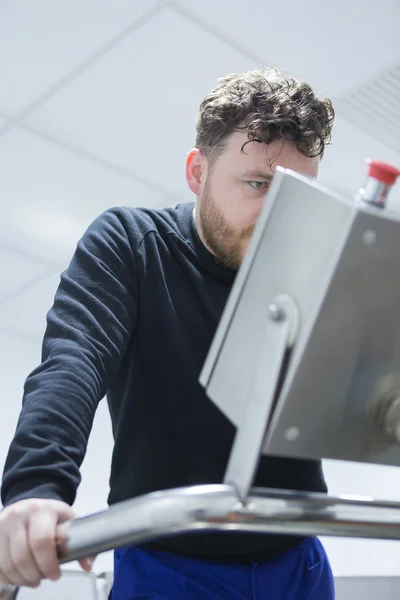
[302,573]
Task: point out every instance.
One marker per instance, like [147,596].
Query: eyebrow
[258,175]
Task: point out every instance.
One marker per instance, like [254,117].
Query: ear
[195,170]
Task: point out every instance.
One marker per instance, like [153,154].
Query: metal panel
[352,346]
[298,235]
[218,508]
[245,454]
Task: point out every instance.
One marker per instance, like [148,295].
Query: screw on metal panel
[292,434]
[276,313]
[369,237]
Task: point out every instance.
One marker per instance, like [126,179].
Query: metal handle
[8,592]
[280,335]
[218,508]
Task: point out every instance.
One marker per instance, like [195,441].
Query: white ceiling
[45,44]
[137,105]
[98,104]
[335,45]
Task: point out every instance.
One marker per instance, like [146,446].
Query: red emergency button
[383,172]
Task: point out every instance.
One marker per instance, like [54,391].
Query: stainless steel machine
[305,362]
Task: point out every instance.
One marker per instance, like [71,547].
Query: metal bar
[246,451]
[217,508]
[8,592]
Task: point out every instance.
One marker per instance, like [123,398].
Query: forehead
[258,156]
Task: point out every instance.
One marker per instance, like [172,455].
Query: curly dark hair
[269,106]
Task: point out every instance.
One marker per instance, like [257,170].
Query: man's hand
[28,545]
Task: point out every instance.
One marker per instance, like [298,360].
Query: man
[133,318]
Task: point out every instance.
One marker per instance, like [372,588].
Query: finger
[4,580]
[22,557]
[8,570]
[42,541]
[87,563]
[4,558]
[64,512]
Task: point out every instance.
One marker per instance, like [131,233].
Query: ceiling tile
[137,106]
[52,195]
[333,46]
[45,41]
[17,272]
[374,107]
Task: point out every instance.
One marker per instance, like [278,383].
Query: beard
[226,243]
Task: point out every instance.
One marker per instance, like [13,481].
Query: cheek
[239,208]
[251,210]
[244,221]
[244,214]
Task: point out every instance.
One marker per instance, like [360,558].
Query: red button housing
[383,172]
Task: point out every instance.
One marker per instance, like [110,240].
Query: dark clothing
[133,318]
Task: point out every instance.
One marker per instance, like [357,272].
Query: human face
[231,193]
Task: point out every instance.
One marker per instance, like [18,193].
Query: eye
[258,185]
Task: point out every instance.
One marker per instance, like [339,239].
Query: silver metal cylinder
[386,416]
[374,192]
[217,508]
[8,592]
